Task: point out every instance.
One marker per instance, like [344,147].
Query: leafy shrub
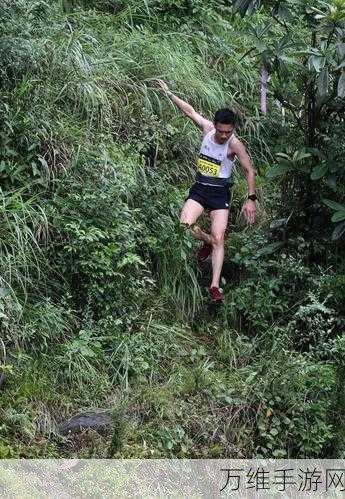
[100,243]
[295,398]
[99,294]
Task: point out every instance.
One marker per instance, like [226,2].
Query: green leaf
[341,86]
[244,6]
[338,216]
[279,453]
[299,155]
[260,46]
[338,231]
[319,171]
[333,205]
[130,259]
[284,12]
[341,65]
[281,222]
[322,82]
[282,155]
[332,182]
[286,58]
[284,42]
[147,7]
[274,432]
[279,170]
[317,61]
[4,292]
[341,51]
[269,249]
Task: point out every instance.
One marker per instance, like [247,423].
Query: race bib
[208,166]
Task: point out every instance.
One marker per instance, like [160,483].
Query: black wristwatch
[252,197]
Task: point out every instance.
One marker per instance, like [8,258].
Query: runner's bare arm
[187,109]
[239,149]
[249,207]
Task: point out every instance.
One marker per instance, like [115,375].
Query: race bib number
[208,166]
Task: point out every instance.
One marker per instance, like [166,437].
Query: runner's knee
[217,239]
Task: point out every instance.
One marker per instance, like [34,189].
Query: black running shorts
[210,197]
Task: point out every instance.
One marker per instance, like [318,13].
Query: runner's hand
[162,84]
[249,210]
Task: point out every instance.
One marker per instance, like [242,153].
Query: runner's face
[223,132]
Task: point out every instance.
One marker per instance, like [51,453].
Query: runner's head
[225,122]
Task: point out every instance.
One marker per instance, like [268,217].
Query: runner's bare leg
[190,213]
[219,222]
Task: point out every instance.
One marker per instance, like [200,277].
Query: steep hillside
[103,309]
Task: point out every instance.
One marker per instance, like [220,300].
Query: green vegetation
[101,303]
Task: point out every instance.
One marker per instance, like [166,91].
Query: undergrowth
[102,306]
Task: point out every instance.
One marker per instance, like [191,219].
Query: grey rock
[96,421]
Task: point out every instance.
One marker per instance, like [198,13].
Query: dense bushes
[101,303]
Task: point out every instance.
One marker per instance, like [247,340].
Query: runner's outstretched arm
[187,109]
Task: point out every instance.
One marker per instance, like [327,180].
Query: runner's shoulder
[235,145]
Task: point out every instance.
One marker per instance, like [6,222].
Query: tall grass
[80,81]
[97,162]
[24,229]
[76,81]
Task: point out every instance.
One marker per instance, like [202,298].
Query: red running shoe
[204,252]
[216,294]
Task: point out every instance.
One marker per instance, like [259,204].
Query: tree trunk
[263,90]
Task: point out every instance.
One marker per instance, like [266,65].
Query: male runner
[210,192]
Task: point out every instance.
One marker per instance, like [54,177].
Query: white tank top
[217,155]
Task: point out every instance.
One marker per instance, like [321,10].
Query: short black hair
[226,116]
